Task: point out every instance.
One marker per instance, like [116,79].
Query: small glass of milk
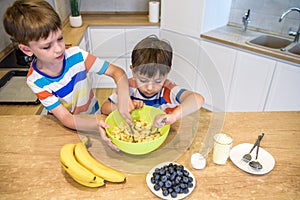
[222,147]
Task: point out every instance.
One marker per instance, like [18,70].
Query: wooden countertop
[30,166]
[234,36]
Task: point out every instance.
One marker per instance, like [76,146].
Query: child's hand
[125,108]
[137,104]
[161,120]
[102,126]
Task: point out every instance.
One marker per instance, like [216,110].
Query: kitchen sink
[295,49]
[270,41]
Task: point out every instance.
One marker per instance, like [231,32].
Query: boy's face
[149,86]
[49,51]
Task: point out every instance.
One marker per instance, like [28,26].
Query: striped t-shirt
[167,99]
[73,87]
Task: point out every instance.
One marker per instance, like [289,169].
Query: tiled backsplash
[266,13]
[114,5]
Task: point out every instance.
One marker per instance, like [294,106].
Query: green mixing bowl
[146,113]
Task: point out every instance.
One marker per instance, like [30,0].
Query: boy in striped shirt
[151,64]
[60,77]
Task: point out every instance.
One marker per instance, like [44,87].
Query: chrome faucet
[293,33]
[246,20]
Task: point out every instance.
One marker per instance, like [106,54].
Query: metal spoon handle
[258,144]
[258,139]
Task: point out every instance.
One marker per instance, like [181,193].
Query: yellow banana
[95,183]
[84,158]
[78,172]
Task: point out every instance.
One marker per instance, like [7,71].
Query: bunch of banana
[84,169]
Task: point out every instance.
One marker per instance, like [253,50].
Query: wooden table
[30,166]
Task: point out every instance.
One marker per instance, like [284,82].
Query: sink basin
[295,49]
[271,41]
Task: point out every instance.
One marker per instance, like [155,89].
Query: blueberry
[173,194]
[186,173]
[180,168]
[183,186]
[190,185]
[172,177]
[177,189]
[168,175]
[162,172]
[156,170]
[185,179]
[185,190]
[153,181]
[157,177]
[191,179]
[179,173]
[168,184]
[177,180]
[164,178]
[160,183]
[156,187]
[165,192]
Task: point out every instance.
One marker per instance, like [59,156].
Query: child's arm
[78,122]
[107,107]
[124,103]
[190,102]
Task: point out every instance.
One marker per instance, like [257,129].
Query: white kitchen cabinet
[250,83]
[107,42]
[115,43]
[194,17]
[135,35]
[82,44]
[216,65]
[284,92]
[185,55]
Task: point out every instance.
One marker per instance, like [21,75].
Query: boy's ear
[25,49]
[131,67]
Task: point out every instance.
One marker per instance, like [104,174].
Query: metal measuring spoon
[254,163]
[247,157]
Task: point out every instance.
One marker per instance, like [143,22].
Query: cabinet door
[134,35]
[107,41]
[284,93]
[194,17]
[182,16]
[250,84]
[82,44]
[216,64]
[185,53]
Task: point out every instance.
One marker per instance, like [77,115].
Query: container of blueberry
[170,180]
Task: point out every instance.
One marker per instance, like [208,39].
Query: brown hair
[30,20]
[151,56]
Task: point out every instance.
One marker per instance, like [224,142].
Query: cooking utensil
[131,132]
[254,163]
[247,157]
[156,129]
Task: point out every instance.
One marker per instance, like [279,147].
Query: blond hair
[30,20]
